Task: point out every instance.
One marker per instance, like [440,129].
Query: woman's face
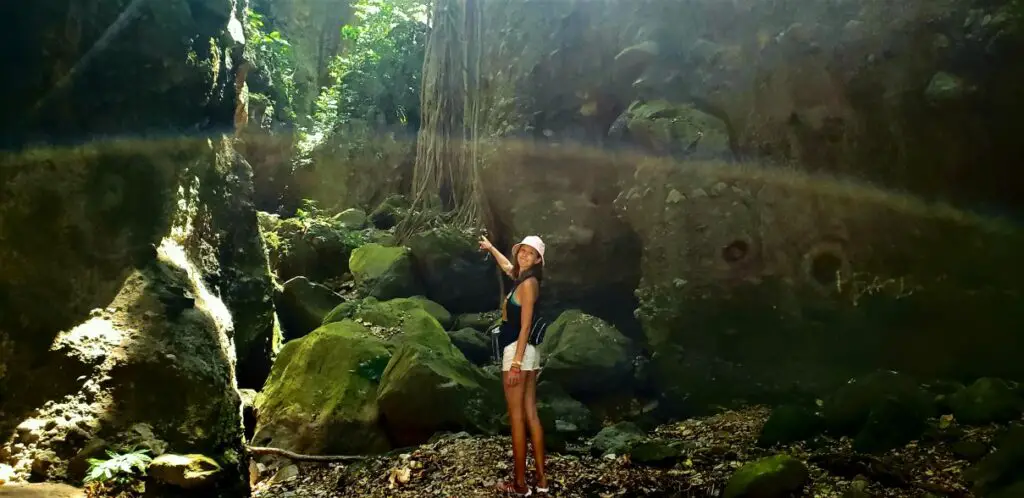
[527,257]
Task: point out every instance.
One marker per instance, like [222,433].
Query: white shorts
[531,358]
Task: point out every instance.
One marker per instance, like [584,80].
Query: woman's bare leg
[517,422]
[536,428]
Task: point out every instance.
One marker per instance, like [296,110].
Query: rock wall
[781,282]
[733,268]
[917,95]
[130,261]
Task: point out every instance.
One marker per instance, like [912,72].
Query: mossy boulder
[387,314]
[616,439]
[384,272]
[564,418]
[972,451]
[848,409]
[454,270]
[181,351]
[302,306]
[790,423]
[314,245]
[777,476]
[478,321]
[985,401]
[1001,469]
[585,354]
[436,310]
[475,345]
[389,212]
[429,385]
[892,422]
[657,452]
[351,218]
[321,394]
[678,129]
[163,332]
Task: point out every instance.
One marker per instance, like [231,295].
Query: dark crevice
[736,251]
[825,268]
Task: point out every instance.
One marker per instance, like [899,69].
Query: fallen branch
[263,450]
[939,489]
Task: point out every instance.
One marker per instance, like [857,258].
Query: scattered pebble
[464,466]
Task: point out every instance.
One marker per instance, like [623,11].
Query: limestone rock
[351,218]
[616,439]
[124,259]
[891,423]
[944,87]
[656,452]
[389,212]
[384,272]
[851,406]
[478,321]
[986,400]
[41,490]
[388,316]
[585,355]
[320,397]
[564,418]
[475,345]
[429,385]
[237,269]
[790,423]
[455,272]
[772,477]
[315,246]
[302,306]
[184,471]
[996,474]
[678,129]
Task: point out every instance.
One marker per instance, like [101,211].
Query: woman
[520,360]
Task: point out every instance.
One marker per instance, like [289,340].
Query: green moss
[667,126]
[777,475]
[397,315]
[311,244]
[374,260]
[454,271]
[422,328]
[430,385]
[436,310]
[986,400]
[384,272]
[585,354]
[313,395]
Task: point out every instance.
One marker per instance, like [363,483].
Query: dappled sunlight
[268,248]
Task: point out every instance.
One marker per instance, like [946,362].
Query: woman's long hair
[536,271]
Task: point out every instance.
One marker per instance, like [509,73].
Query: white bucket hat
[532,241]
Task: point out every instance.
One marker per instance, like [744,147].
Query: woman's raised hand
[485,245]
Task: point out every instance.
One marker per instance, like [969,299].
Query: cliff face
[117,67]
[128,239]
[736,270]
[918,95]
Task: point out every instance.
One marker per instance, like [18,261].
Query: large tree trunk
[446,171]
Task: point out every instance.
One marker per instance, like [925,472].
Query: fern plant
[119,468]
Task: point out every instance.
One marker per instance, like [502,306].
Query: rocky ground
[459,465]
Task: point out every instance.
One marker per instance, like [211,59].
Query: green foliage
[120,468]
[274,61]
[378,76]
[315,227]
